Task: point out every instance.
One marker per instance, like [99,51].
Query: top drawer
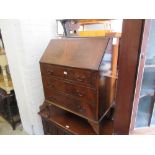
[81,76]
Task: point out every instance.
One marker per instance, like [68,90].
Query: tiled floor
[6,129]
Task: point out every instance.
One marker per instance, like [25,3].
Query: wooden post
[129,53]
[114,68]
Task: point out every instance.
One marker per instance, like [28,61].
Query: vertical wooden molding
[129,52]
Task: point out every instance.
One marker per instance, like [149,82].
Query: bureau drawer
[87,109]
[52,129]
[66,87]
[81,76]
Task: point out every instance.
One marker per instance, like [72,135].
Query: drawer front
[86,109]
[51,129]
[77,91]
[81,76]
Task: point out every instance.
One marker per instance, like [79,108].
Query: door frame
[142,58]
[129,53]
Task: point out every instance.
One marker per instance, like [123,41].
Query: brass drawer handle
[81,109]
[81,78]
[51,85]
[53,98]
[67,126]
[65,72]
[79,93]
[49,72]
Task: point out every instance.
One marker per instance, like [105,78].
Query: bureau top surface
[83,53]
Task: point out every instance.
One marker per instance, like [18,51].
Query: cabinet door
[146,110]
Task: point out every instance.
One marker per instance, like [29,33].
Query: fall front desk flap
[85,53]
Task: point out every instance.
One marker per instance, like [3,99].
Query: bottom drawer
[52,129]
[83,108]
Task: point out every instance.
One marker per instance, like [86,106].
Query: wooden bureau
[77,79]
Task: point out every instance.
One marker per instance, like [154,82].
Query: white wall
[25,42]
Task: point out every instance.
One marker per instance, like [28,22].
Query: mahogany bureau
[76,75]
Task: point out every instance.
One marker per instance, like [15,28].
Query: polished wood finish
[84,77]
[57,122]
[84,53]
[128,63]
[85,108]
[68,121]
[77,91]
[51,128]
[73,78]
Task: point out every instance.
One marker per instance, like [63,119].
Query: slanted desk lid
[85,53]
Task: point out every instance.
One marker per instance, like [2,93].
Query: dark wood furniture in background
[9,108]
[79,86]
[8,103]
